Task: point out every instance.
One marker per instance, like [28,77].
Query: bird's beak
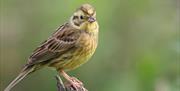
[91,19]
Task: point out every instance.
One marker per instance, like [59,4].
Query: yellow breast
[87,44]
[87,48]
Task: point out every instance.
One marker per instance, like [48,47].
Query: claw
[73,82]
[77,81]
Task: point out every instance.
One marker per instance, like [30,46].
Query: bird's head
[85,15]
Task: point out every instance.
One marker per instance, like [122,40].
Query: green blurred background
[139,44]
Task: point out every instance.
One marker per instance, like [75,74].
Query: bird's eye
[81,17]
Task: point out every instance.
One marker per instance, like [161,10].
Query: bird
[71,45]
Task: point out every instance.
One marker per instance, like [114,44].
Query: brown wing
[60,42]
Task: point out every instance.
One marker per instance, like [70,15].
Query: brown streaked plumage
[66,49]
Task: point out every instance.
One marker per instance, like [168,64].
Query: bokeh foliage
[139,43]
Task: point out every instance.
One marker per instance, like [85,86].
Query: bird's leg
[72,80]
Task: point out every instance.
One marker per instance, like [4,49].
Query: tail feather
[22,75]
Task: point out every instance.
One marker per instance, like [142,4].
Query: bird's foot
[74,79]
[75,83]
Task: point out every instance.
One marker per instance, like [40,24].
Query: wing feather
[60,42]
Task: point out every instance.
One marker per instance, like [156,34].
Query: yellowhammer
[66,49]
